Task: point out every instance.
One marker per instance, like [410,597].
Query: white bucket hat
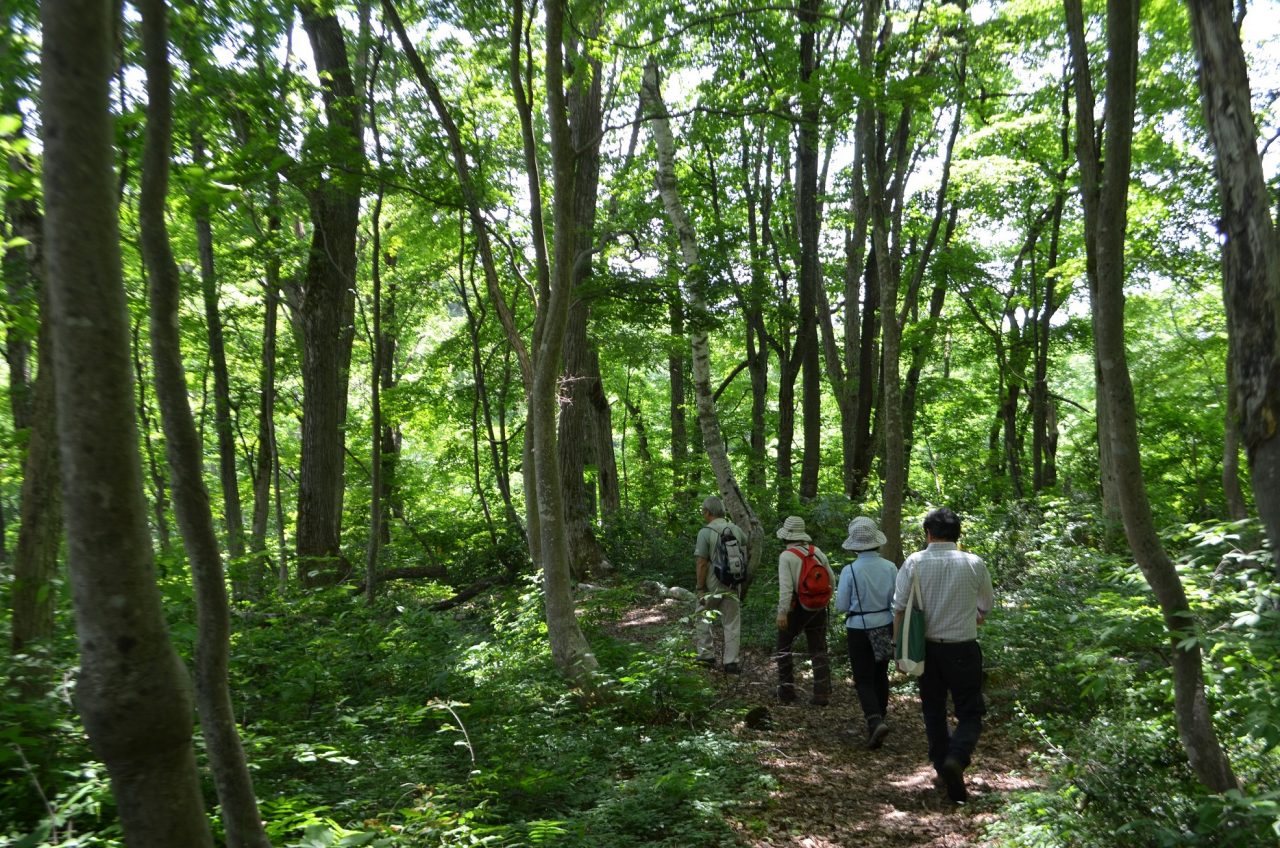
[863,535]
[792,530]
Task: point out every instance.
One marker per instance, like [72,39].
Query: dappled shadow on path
[830,790]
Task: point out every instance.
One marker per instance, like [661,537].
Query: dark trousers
[870,678]
[953,668]
[814,625]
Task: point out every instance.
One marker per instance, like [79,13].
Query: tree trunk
[325,303]
[574,443]
[1250,254]
[738,508]
[232,515]
[569,647]
[376,516]
[35,560]
[807,216]
[132,691]
[1105,192]
[1237,510]
[886,278]
[240,816]
[676,368]
[159,486]
[264,461]
[757,335]
[868,377]
[579,412]
[606,460]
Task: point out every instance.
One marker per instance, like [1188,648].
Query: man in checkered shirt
[956,595]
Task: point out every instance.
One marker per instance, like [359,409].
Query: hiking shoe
[706,662]
[876,737]
[820,702]
[952,774]
[732,668]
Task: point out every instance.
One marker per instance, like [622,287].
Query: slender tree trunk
[757,335]
[1237,510]
[868,378]
[159,486]
[676,368]
[738,507]
[606,460]
[132,691]
[232,515]
[1105,192]
[264,461]
[808,218]
[240,816]
[375,381]
[1250,252]
[894,471]
[35,559]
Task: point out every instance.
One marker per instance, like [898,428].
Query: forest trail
[831,791]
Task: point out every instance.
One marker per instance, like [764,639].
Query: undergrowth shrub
[396,725]
[1082,652]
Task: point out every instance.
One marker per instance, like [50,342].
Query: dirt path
[832,792]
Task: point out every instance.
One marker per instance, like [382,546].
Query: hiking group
[951,587]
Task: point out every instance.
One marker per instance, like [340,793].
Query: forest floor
[832,792]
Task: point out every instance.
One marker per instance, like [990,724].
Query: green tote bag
[909,651]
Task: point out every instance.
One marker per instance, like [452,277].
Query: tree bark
[185,452]
[808,219]
[1250,253]
[676,369]
[35,559]
[132,691]
[159,486]
[606,459]
[738,508]
[569,647]
[325,302]
[1105,194]
[264,460]
[575,443]
[1232,492]
[232,514]
[579,412]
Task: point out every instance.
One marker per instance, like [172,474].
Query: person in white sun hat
[805,586]
[865,596]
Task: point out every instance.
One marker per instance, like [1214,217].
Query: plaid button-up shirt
[955,587]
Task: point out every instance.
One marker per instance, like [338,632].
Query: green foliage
[395,725]
[1080,650]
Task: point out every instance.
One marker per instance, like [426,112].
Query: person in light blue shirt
[865,596]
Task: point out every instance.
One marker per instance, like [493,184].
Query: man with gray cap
[804,577]
[716,600]
[865,596]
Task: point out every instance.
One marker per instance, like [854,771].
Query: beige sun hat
[863,535]
[792,530]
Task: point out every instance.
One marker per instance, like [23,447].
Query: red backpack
[813,589]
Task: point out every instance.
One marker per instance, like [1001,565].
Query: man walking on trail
[805,585]
[716,599]
[956,595]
